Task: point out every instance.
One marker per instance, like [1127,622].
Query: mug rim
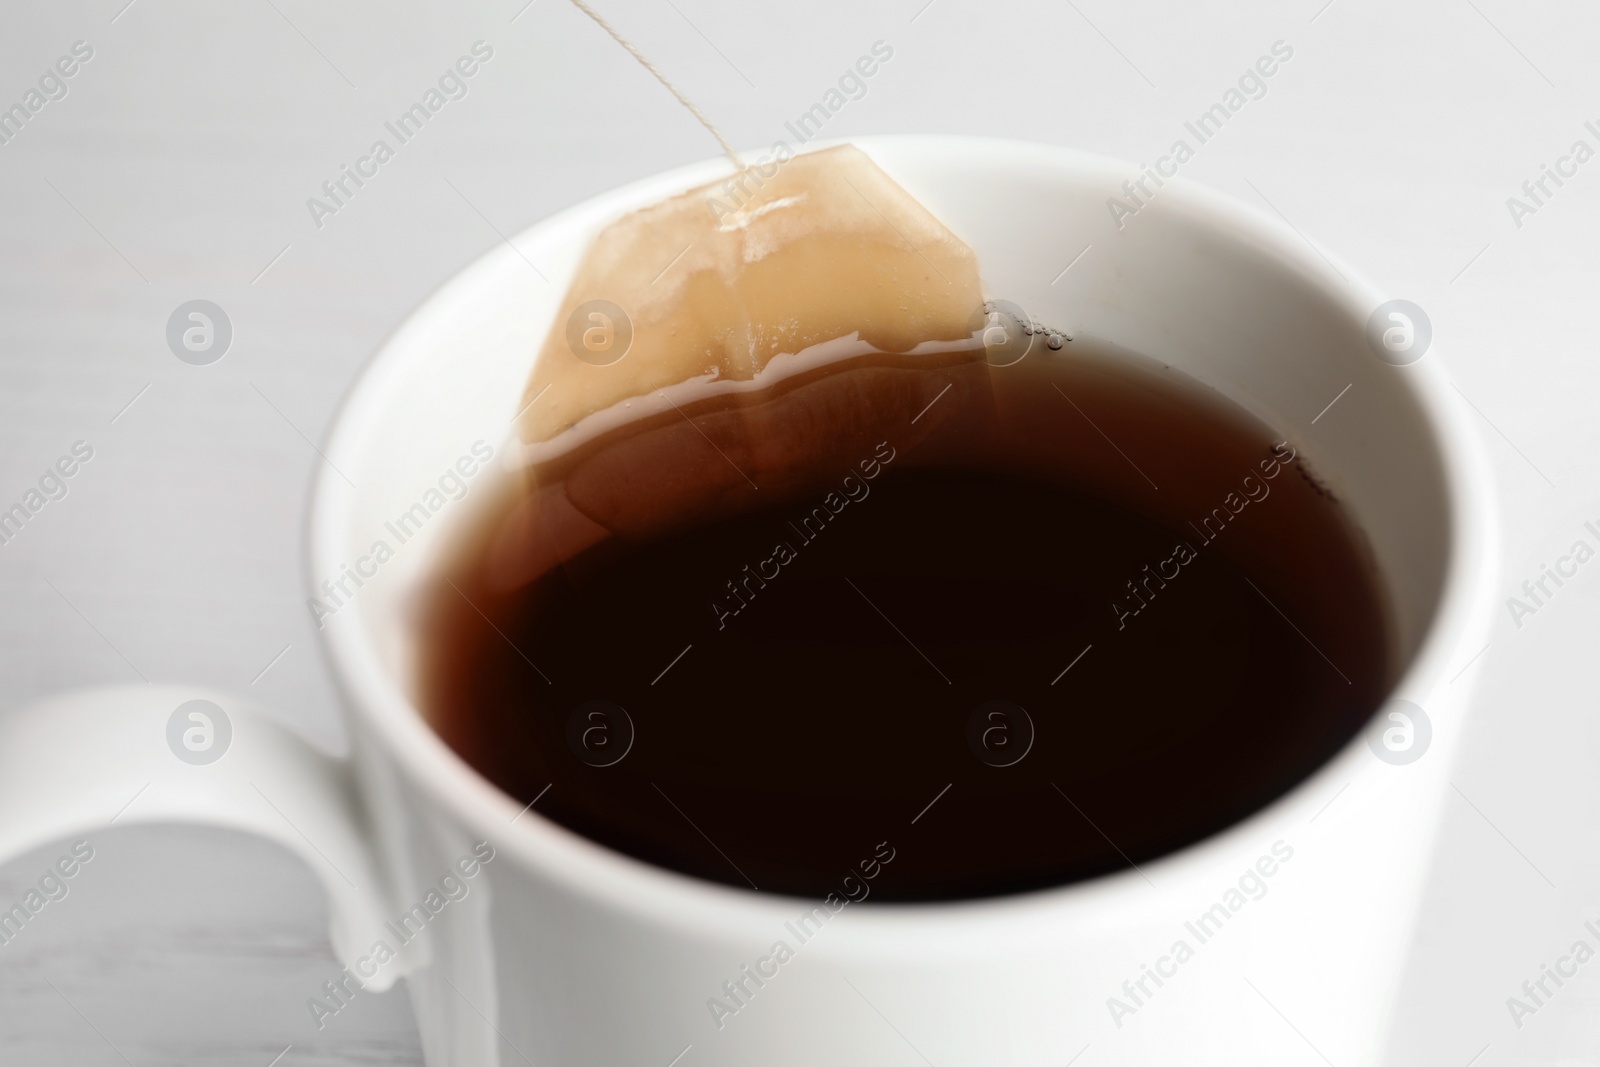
[379,710]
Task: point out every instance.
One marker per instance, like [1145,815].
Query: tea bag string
[662,78]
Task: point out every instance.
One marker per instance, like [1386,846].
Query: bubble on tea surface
[600,733]
[199,732]
[1000,733]
[1399,733]
[721,279]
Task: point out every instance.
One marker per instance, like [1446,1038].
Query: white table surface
[178,167]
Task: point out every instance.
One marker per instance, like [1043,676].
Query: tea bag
[743,280]
[743,344]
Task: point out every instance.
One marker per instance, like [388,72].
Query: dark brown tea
[956,628]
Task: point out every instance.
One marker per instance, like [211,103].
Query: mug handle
[95,759]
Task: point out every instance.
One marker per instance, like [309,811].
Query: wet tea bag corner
[825,259]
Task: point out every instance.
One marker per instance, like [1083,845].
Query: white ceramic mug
[560,951]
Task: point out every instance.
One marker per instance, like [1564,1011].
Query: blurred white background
[178,166]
